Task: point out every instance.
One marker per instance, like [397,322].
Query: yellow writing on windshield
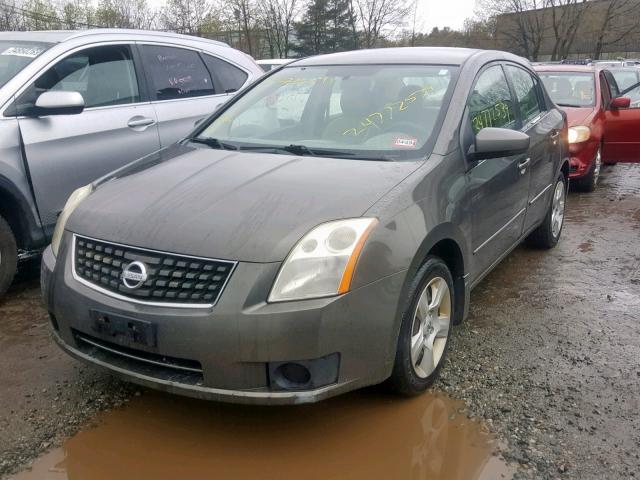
[377,119]
[497,115]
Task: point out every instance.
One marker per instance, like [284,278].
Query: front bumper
[237,343]
[582,157]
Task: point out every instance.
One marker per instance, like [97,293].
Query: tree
[566,16]
[522,24]
[375,17]
[40,15]
[325,27]
[617,20]
[277,18]
[186,16]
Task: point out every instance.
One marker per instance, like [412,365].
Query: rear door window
[491,103]
[229,77]
[175,73]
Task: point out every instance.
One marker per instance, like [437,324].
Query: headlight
[323,261]
[579,134]
[74,200]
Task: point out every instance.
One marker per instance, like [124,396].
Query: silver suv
[77,105]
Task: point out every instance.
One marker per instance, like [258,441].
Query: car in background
[616,63]
[289,255]
[75,105]
[602,126]
[269,64]
[627,83]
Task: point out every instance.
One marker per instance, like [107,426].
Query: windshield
[386,112]
[14,56]
[570,89]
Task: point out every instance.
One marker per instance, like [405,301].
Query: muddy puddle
[364,435]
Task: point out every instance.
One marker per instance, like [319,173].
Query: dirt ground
[545,371]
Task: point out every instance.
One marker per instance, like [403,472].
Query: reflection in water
[362,435]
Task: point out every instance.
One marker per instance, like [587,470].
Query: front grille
[171,279]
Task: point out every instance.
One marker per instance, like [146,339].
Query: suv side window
[229,77]
[103,75]
[526,90]
[176,73]
[491,103]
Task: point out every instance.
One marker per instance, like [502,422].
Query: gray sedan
[319,233]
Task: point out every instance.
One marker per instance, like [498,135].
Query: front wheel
[589,182]
[8,256]
[548,233]
[425,329]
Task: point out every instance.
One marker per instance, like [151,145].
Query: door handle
[554,135]
[522,165]
[140,122]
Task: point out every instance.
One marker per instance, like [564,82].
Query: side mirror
[499,142]
[59,103]
[620,102]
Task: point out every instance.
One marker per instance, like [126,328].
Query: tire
[412,376]
[548,233]
[589,182]
[8,256]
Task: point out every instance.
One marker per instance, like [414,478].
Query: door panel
[621,127]
[176,118]
[499,187]
[543,129]
[65,152]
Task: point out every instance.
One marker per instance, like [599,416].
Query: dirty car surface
[320,233]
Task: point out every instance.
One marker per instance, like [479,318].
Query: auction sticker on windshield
[30,52]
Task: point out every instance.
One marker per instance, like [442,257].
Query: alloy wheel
[430,328]
[557,209]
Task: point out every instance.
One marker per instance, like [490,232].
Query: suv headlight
[323,261]
[74,200]
[579,134]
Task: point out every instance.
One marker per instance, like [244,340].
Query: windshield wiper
[317,152]
[293,149]
[213,143]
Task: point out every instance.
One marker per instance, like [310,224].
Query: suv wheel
[548,233]
[8,256]
[589,182]
[425,329]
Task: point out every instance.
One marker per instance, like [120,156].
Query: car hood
[242,206]
[578,116]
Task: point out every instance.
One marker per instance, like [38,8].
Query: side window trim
[536,85]
[214,80]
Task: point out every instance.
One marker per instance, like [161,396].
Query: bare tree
[522,25]
[378,16]
[186,16]
[278,17]
[566,17]
[10,16]
[617,21]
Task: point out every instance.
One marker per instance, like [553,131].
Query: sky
[443,13]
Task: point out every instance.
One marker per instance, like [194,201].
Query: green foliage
[326,27]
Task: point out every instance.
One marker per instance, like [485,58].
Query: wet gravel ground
[549,358]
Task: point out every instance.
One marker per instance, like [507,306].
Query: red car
[604,123]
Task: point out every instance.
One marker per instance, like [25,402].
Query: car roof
[57,36]
[564,68]
[399,55]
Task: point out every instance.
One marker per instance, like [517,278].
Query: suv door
[182,89]
[545,150]
[621,126]
[499,187]
[65,152]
